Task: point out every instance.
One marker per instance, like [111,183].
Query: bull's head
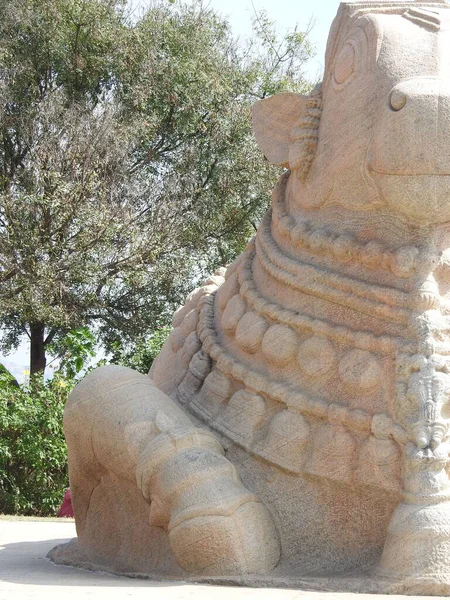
[377,130]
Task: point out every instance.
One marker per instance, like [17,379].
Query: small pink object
[66,510]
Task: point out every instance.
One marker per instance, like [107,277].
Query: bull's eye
[345,64]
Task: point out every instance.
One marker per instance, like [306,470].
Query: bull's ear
[273,120]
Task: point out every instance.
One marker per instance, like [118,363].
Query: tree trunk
[37,350]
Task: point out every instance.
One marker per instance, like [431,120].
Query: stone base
[70,554]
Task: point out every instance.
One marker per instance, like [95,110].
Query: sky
[285,13]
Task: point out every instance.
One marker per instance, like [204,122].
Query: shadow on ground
[25,563]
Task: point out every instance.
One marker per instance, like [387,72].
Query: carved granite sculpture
[296,423]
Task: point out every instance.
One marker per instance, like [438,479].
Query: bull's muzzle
[410,153]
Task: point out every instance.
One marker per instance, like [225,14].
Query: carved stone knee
[118,423]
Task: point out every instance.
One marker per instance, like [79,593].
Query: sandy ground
[26,573]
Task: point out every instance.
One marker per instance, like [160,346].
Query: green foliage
[74,351]
[49,44]
[7,378]
[143,351]
[33,455]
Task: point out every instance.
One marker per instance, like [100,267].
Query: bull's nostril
[398,100]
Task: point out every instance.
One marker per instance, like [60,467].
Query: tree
[127,164]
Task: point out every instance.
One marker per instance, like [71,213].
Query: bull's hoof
[416,555]
[242,543]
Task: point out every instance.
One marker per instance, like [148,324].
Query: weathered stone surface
[318,362]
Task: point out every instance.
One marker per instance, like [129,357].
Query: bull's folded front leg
[117,422]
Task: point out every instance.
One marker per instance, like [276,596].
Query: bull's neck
[387,298]
[368,235]
[404,283]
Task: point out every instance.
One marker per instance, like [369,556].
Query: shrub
[33,454]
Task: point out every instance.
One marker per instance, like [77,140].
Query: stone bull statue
[296,422]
